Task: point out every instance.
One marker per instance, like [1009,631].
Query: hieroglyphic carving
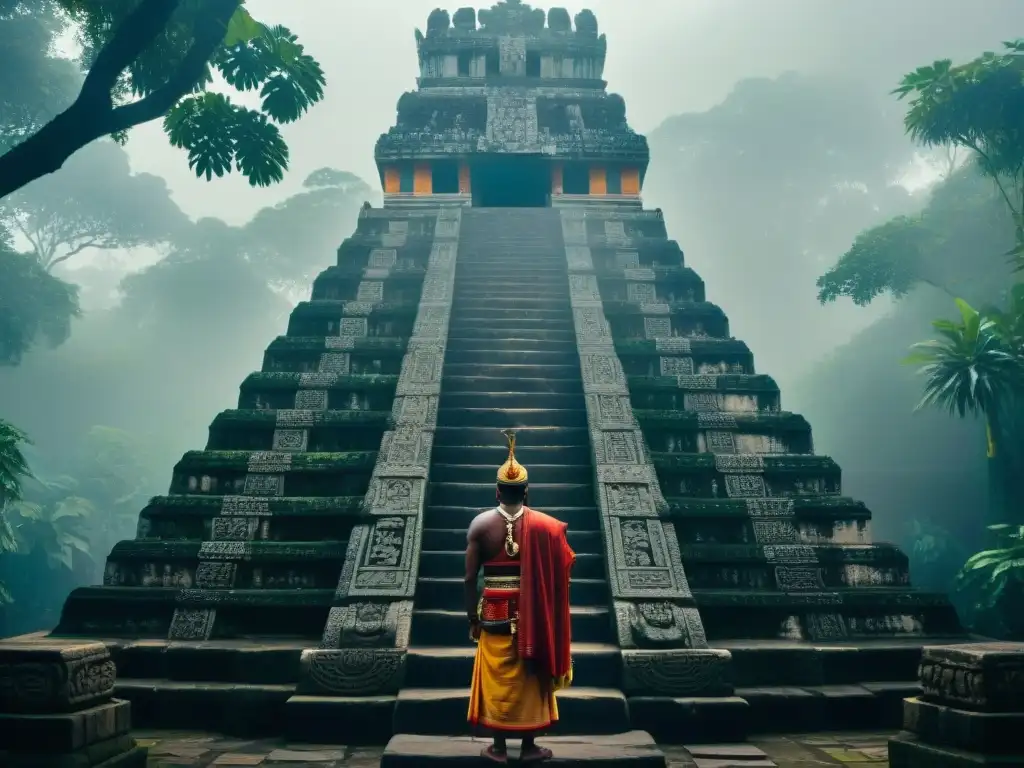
[41,679]
[371,292]
[367,639]
[654,605]
[675,366]
[641,293]
[352,671]
[657,327]
[677,673]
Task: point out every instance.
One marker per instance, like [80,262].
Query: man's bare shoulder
[481,521]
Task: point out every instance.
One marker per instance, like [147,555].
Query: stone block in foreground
[57,708]
[970,712]
[624,750]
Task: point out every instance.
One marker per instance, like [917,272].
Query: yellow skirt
[503,695]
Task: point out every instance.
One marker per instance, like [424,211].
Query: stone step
[863,706]
[442,711]
[485,473]
[520,334]
[511,327]
[550,372]
[585,518]
[488,302]
[547,400]
[234,709]
[543,495]
[595,665]
[527,437]
[454,540]
[515,418]
[635,749]
[496,454]
[451,564]
[257,552]
[510,317]
[529,346]
[590,624]
[448,593]
[461,356]
[216,661]
[468,382]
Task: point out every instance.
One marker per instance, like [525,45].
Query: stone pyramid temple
[304,573]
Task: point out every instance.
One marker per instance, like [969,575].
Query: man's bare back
[484,541]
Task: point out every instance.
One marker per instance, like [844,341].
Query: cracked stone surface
[180,749]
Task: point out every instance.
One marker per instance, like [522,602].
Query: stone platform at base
[970,712]
[635,749]
[57,709]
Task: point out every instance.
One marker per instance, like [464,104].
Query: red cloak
[545,563]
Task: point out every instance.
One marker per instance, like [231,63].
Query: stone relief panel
[364,641]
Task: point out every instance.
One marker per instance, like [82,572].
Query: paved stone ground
[179,749]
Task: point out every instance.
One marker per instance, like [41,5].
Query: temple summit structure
[304,570]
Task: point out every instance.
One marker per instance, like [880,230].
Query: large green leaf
[242,28]
[202,126]
[260,152]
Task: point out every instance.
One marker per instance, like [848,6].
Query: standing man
[521,623]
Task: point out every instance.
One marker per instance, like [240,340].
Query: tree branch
[93,114]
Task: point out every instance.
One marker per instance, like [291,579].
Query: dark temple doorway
[511,181]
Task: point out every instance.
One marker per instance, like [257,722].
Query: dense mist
[775,140]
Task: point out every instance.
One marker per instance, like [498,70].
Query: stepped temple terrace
[303,576]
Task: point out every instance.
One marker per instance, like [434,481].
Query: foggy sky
[673,56]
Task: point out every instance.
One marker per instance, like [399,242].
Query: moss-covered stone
[303,462]
[729,383]
[782,421]
[289,380]
[700,347]
[874,554]
[376,344]
[262,551]
[803,506]
[208,506]
[269,418]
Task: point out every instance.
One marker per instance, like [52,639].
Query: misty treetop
[151,59]
[978,106]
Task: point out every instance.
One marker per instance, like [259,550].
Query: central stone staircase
[511,362]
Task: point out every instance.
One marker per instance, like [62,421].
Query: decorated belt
[501,583]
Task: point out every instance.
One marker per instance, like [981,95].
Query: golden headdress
[511,472]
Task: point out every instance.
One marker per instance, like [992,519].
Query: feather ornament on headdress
[511,472]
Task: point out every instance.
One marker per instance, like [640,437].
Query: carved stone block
[641,293]
[354,327]
[192,623]
[646,559]
[381,560]
[610,412]
[431,324]
[351,672]
[675,366]
[615,230]
[234,528]
[652,623]
[263,485]
[798,578]
[986,677]
[591,326]
[52,678]
[335,362]
[368,624]
[394,496]
[790,553]
[627,260]
[579,258]
[822,627]
[583,288]
[657,327]
[311,400]
[778,531]
[744,486]
[383,258]
[641,274]
[357,309]
[677,673]
[291,440]
[415,411]
[603,374]
[698,384]
[635,499]
[405,453]
[370,292]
